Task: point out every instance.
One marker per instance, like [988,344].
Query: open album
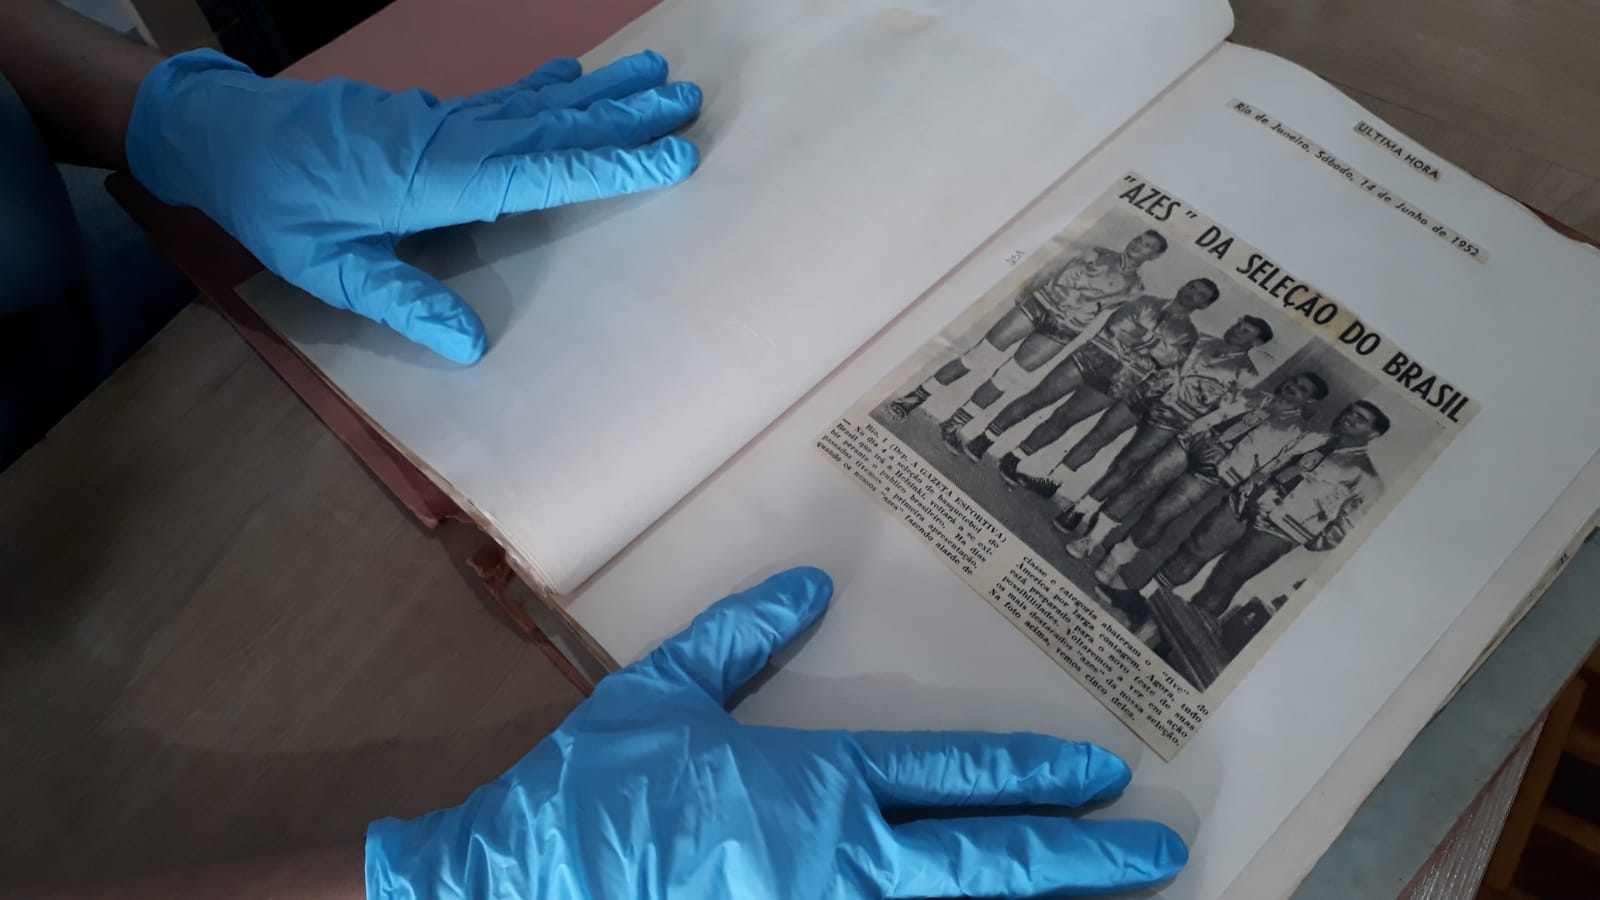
[1133,386]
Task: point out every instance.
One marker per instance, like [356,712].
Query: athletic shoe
[1044,487]
[978,446]
[901,407]
[1008,470]
[1082,548]
[1131,603]
[950,433]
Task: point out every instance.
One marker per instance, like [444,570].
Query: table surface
[219,635]
[228,636]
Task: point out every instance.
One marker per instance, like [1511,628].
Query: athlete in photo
[1221,450]
[1142,341]
[1217,368]
[1313,500]
[1052,308]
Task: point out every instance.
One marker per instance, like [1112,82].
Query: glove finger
[973,768]
[514,184]
[726,645]
[1028,856]
[412,302]
[628,122]
[628,75]
[556,71]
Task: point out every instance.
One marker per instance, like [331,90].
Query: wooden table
[1507,89]
[229,640]
[219,635]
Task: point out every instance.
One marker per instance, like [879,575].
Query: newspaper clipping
[1148,447]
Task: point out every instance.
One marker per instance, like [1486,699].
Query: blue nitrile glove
[650,791]
[320,180]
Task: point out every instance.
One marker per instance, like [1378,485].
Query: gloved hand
[320,180]
[650,790]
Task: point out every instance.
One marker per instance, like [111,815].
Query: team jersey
[1214,370]
[1255,436]
[1315,498]
[1062,300]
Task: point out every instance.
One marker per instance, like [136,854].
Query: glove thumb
[376,284]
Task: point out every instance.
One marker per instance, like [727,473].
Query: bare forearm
[77,78]
[321,875]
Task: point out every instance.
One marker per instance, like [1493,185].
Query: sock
[983,358]
[1107,570]
[1122,553]
[918,395]
[1089,506]
[1150,587]
[959,419]
[1102,528]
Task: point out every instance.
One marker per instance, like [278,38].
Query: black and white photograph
[1193,458]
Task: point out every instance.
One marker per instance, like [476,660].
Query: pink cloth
[453,47]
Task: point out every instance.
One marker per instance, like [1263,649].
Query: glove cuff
[426,858]
[162,129]
[383,883]
[481,850]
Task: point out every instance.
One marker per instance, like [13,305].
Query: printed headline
[1279,286]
